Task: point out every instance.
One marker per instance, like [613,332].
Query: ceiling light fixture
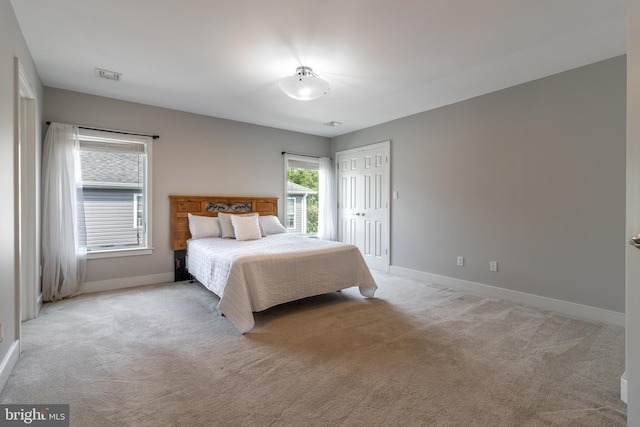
[333,123]
[304,85]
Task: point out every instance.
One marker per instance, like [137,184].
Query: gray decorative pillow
[271,225]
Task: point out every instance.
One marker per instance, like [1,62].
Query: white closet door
[363,201]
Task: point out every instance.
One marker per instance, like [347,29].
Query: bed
[251,269]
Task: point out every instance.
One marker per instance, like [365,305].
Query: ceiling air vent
[109,75]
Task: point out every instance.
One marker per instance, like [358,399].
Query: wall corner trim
[565,308]
[9,363]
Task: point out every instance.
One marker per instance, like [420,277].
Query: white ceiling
[383,59]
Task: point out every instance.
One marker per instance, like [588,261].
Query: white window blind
[116,190]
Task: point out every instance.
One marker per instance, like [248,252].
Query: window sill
[116,253]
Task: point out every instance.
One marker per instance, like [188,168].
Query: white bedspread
[254,275]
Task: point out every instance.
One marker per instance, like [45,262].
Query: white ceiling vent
[109,75]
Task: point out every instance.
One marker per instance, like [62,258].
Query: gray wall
[12,45]
[532,176]
[195,155]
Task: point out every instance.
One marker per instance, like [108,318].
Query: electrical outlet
[493,265]
[461,261]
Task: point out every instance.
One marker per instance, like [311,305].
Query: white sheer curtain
[327,200]
[63,236]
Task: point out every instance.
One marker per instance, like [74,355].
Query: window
[302,178]
[116,192]
[291,213]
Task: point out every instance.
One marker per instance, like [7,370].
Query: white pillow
[227,227]
[246,227]
[204,226]
[271,225]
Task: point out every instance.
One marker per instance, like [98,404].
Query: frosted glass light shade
[304,85]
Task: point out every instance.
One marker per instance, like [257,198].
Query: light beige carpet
[416,355]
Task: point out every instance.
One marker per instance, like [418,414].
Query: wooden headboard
[181,206]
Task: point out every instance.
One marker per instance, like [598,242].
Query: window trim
[119,252]
[293,214]
[91,135]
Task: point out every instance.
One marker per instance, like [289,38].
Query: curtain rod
[304,155]
[116,131]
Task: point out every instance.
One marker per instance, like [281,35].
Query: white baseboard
[623,387]
[566,308]
[127,282]
[39,304]
[9,363]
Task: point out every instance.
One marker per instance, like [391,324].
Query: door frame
[630,381]
[386,145]
[27,224]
